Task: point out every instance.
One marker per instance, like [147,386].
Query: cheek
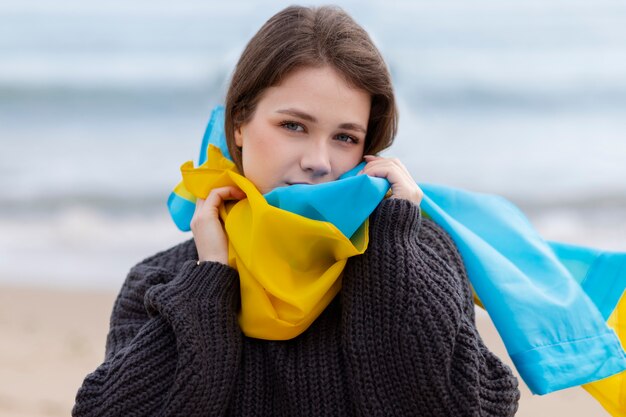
[350,160]
[264,153]
[264,135]
[271,148]
[266,145]
[264,158]
[255,143]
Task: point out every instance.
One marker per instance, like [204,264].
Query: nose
[315,160]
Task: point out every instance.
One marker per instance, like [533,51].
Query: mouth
[295,183]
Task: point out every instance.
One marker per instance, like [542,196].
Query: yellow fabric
[611,392]
[289,266]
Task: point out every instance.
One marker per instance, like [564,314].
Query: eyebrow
[305,116]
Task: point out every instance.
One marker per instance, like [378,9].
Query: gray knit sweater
[398,340]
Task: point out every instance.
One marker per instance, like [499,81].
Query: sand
[51,339]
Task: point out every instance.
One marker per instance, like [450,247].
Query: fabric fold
[553,331]
[289,266]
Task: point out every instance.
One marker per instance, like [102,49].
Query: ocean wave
[68,243]
[472,97]
[129,202]
[105,204]
[467,97]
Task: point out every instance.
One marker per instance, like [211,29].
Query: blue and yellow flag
[558,308]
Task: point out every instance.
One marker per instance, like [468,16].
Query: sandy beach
[51,339]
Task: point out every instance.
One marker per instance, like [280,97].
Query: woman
[309,99]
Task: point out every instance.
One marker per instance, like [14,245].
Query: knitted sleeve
[173,345]
[410,337]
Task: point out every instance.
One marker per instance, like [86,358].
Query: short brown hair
[298,37]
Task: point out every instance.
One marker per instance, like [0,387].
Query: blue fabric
[181,211]
[600,273]
[548,300]
[214,134]
[346,203]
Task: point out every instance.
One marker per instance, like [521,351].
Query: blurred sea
[101,102]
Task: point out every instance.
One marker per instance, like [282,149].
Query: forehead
[322,92]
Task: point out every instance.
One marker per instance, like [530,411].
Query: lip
[295,183]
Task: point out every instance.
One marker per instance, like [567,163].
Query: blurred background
[101,102]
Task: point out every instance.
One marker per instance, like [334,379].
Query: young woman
[310,98]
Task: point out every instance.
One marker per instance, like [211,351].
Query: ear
[239,136]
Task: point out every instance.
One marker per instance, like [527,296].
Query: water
[100,104]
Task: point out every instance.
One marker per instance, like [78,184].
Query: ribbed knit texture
[399,340]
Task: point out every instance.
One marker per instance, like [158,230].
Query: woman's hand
[402,184]
[208,232]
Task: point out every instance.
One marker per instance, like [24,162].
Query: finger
[390,168]
[390,164]
[391,161]
[371,157]
[235,194]
[393,173]
[378,165]
[198,208]
[218,195]
[209,209]
[379,171]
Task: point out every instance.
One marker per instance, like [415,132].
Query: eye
[342,137]
[293,126]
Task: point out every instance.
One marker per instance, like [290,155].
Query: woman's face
[309,129]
